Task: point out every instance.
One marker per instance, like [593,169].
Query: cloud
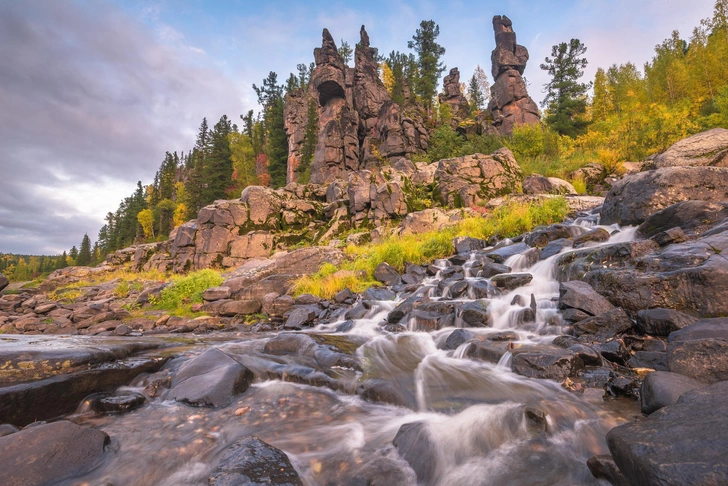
[91,99]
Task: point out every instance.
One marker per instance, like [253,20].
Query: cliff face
[509,104]
[359,125]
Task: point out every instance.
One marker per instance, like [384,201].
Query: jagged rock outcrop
[509,104]
[459,106]
[359,125]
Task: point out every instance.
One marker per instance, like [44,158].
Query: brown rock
[452,95]
[706,148]
[510,104]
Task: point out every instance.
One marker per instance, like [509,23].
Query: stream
[485,425]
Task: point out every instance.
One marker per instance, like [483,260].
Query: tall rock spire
[509,104]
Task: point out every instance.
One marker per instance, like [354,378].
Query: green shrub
[187,290]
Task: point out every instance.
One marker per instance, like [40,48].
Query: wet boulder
[481,289]
[416,445]
[680,444]
[544,235]
[670,236]
[291,343]
[661,322]
[387,275]
[689,216]
[555,247]
[47,454]
[700,350]
[250,461]
[604,326]
[381,391]
[211,379]
[301,317]
[120,402]
[456,338]
[604,467]
[581,295]
[511,281]
[474,314]
[662,388]
[491,351]
[545,361]
[503,253]
[489,270]
[597,235]
[378,293]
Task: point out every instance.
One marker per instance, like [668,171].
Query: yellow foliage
[146,219]
[387,76]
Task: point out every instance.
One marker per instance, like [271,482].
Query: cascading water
[480,423]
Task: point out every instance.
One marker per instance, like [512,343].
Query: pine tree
[346,52]
[73,253]
[478,90]
[270,97]
[429,53]
[84,254]
[62,261]
[218,169]
[565,95]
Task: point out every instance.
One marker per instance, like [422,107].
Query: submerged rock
[250,461]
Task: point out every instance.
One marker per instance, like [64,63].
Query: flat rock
[680,445]
[545,361]
[705,148]
[511,281]
[686,215]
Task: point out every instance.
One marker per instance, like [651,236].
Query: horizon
[94,94]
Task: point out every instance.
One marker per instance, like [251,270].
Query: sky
[94,92]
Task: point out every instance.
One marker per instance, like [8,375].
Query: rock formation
[509,104]
[459,106]
[359,124]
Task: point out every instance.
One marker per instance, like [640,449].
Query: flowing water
[473,410]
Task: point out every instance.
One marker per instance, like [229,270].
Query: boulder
[423,221]
[662,388]
[456,338]
[636,197]
[580,295]
[472,179]
[381,391]
[51,453]
[416,445]
[211,379]
[545,361]
[4,282]
[681,444]
[386,274]
[474,314]
[597,235]
[661,322]
[700,350]
[301,317]
[250,461]
[491,351]
[511,281]
[603,326]
[604,467]
[705,148]
[689,216]
[538,184]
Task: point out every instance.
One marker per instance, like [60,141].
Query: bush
[445,143]
[187,290]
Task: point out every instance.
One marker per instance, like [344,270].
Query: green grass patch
[186,290]
[357,274]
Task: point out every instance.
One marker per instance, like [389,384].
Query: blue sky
[93,92]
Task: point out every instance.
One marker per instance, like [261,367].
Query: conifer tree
[73,254]
[84,254]
[429,53]
[346,52]
[565,95]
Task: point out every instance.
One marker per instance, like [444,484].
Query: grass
[186,290]
[357,274]
[556,166]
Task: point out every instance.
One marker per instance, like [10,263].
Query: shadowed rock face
[510,104]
